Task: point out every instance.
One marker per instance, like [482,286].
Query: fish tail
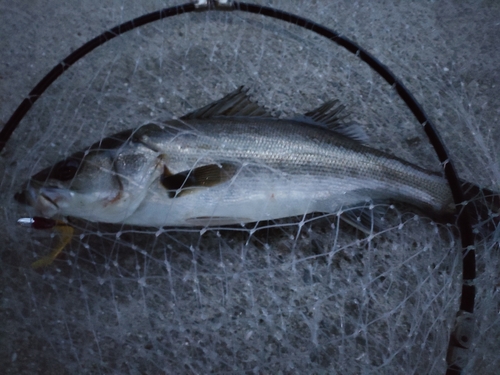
[484,207]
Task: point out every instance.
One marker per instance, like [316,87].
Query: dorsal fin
[236,103]
[329,116]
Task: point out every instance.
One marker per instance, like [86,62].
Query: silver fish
[231,162]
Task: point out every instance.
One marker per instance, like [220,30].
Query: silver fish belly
[230,163]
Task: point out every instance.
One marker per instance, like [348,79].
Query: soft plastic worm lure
[64,230]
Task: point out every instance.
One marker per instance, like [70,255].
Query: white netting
[300,295]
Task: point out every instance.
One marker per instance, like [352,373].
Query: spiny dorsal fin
[329,116]
[236,103]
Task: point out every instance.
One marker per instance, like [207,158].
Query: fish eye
[65,170]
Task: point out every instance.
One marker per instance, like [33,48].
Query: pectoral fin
[206,176]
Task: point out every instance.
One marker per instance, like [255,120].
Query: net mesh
[307,294]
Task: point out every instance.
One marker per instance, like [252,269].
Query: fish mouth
[48,200]
[44,200]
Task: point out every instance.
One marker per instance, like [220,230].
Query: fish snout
[45,200]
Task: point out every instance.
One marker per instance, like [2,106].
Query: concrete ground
[318,301]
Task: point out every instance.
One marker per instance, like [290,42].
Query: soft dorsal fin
[236,103]
[329,116]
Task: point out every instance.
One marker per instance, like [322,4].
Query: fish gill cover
[301,295]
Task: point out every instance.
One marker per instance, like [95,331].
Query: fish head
[77,185]
[99,184]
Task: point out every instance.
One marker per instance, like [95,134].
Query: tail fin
[484,207]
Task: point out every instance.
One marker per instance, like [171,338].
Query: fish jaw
[50,201]
[47,201]
[105,206]
[111,207]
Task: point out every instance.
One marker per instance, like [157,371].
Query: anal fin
[365,219]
